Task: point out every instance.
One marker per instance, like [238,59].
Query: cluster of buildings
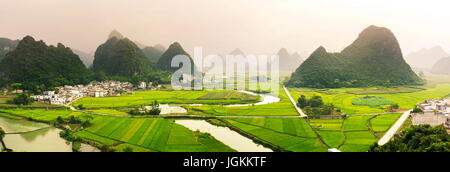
[67,94]
[435,112]
[436,105]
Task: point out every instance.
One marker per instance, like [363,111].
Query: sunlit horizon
[220,26]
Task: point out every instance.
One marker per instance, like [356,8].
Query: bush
[316,106]
[68,135]
[22,99]
[81,107]
[128,149]
[417,109]
[155,110]
[422,138]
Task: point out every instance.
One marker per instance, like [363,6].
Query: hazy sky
[255,26]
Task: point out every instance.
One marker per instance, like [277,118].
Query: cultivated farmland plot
[152,134]
[345,98]
[168,97]
[353,134]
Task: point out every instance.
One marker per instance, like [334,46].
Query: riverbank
[227,136]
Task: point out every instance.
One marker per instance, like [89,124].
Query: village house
[435,112]
[67,94]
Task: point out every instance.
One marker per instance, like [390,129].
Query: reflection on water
[37,137]
[16,126]
[266,99]
[225,135]
[43,140]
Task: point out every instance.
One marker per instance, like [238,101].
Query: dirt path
[391,132]
[294,103]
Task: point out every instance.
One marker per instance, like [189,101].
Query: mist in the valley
[221,26]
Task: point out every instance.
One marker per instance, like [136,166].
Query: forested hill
[373,59]
[153,53]
[120,57]
[34,64]
[7,45]
[165,61]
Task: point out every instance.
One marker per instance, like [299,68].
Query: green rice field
[42,114]
[168,97]
[155,134]
[356,133]
[282,108]
[291,134]
[343,98]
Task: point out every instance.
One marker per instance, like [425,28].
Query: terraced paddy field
[282,108]
[168,97]
[356,133]
[291,134]
[145,134]
[345,98]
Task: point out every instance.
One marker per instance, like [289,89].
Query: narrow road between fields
[294,103]
[391,132]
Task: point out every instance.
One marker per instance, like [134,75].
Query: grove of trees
[421,138]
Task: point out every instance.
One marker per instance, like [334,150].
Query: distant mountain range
[373,59]
[119,56]
[87,58]
[442,67]
[289,62]
[426,58]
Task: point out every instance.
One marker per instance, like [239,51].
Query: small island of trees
[315,106]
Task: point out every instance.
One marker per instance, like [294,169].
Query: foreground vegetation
[422,138]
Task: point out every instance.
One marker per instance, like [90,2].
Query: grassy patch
[228,95]
[371,101]
[108,111]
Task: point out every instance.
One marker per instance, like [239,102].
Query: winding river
[28,136]
[229,137]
